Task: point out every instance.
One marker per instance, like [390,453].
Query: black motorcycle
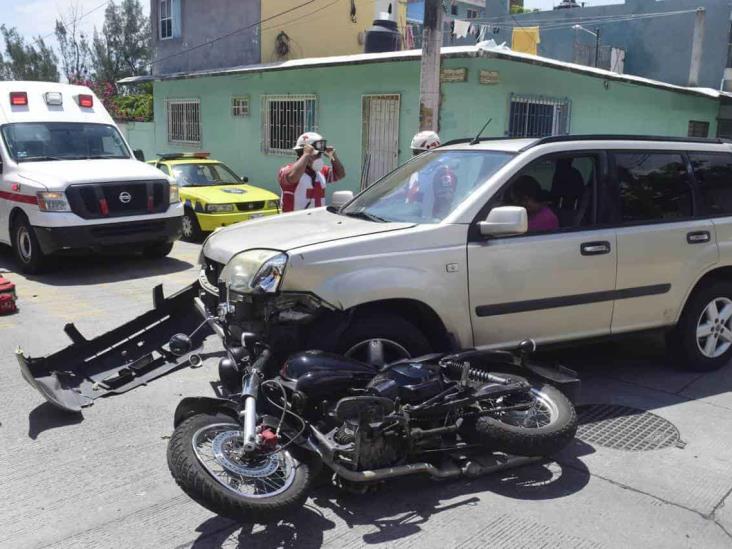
[255,455]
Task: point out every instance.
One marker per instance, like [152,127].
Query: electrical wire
[284,411]
[82,16]
[504,18]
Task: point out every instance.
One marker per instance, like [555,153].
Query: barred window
[184,121]
[285,118]
[698,128]
[240,106]
[536,116]
[166,19]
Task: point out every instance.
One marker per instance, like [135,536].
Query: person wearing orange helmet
[303,182]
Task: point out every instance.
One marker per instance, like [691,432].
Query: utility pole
[429,78]
[696,48]
[597,45]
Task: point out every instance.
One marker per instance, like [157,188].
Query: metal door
[380,136]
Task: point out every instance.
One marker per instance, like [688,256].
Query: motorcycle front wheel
[543,423]
[204,459]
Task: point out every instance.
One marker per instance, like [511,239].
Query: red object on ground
[7,297]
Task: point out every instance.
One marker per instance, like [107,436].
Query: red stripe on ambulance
[22,198]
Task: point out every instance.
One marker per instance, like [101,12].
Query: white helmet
[308,138]
[426,140]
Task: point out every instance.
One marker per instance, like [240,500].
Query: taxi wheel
[190,228]
[26,247]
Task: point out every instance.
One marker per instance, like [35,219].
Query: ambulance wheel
[190,227]
[156,251]
[26,247]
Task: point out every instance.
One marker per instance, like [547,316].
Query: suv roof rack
[621,137]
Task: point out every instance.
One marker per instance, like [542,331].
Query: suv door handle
[698,237]
[601,247]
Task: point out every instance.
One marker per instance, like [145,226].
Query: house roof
[484,49]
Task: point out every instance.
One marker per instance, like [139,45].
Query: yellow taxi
[213,195]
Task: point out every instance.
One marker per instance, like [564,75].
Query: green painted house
[367,107]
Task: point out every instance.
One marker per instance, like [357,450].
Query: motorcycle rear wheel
[542,431]
[203,462]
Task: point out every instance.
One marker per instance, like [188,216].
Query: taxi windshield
[203,175]
[46,141]
[427,188]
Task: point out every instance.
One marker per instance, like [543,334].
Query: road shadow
[399,508]
[88,269]
[46,416]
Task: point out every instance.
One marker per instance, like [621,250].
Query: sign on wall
[454,75]
[489,77]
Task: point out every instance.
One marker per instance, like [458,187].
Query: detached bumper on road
[119,360]
[211,221]
[121,233]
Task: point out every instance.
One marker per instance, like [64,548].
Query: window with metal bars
[240,106]
[285,118]
[184,121]
[698,128]
[536,116]
[166,19]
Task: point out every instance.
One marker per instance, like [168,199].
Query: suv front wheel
[382,338]
[702,340]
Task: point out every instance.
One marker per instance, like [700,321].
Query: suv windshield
[45,141]
[203,175]
[427,188]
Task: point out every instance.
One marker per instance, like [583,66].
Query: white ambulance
[69,180]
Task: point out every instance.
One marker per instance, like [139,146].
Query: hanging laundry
[461,28]
[525,39]
[483,33]
[409,37]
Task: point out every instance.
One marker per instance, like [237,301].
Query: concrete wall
[140,135]
[597,107]
[204,20]
[317,32]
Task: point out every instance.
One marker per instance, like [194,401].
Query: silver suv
[485,244]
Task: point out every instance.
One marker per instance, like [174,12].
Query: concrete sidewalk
[656,479]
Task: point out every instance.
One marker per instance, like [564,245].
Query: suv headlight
[53,202]
[255,271]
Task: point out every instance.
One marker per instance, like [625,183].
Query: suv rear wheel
[382,338]
[702,340]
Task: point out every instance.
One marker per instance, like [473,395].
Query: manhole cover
[625,428]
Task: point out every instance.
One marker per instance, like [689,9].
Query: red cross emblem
[317,193]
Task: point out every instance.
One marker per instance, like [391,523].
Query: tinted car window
[714,174]
[651,187]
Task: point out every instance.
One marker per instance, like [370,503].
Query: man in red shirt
[303,182]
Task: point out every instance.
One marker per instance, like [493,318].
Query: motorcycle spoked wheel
[203,460]
[546,427]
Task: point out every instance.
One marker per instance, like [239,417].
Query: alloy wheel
[25,244]
[187,227]
[713,330]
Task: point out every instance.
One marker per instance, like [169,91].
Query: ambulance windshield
[46,141]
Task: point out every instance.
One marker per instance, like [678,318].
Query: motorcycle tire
[505,435]
[201,485]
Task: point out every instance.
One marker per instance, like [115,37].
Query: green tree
[124,46]
[73,45]
[26,61]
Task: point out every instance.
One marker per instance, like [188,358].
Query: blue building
[650,38]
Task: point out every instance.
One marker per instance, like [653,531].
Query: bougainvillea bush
[124,108]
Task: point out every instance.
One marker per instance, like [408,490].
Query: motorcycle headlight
[255,271]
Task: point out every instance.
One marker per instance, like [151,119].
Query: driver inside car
[527,192]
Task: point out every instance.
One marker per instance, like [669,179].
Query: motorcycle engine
[372,447]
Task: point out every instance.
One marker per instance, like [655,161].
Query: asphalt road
[100,480]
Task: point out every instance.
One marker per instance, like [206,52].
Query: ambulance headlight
[53,202]
[255,272]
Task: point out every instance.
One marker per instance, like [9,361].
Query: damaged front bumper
[121,359]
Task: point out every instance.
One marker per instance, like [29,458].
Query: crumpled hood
[290,231]
[59,173]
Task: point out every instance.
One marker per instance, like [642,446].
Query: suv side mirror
[505,221]
[340,199]
[139,155]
